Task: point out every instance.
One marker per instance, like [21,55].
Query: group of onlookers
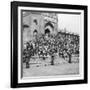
[64,44]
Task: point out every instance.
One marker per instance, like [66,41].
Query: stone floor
[40,67]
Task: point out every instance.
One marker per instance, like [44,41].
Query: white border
[51,78]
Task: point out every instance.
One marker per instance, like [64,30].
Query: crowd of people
[63,44]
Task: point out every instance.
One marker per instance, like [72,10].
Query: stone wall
[37,21]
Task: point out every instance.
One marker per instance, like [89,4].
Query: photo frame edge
[14,66]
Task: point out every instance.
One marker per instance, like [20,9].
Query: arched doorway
[49,28]
[47,31]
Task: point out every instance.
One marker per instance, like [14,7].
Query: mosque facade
[39,21]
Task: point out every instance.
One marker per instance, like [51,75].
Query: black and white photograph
[50,44]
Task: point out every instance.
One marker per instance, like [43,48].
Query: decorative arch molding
[49,24]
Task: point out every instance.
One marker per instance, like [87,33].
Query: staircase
[37,62]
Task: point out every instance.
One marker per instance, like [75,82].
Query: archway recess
[49,27]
